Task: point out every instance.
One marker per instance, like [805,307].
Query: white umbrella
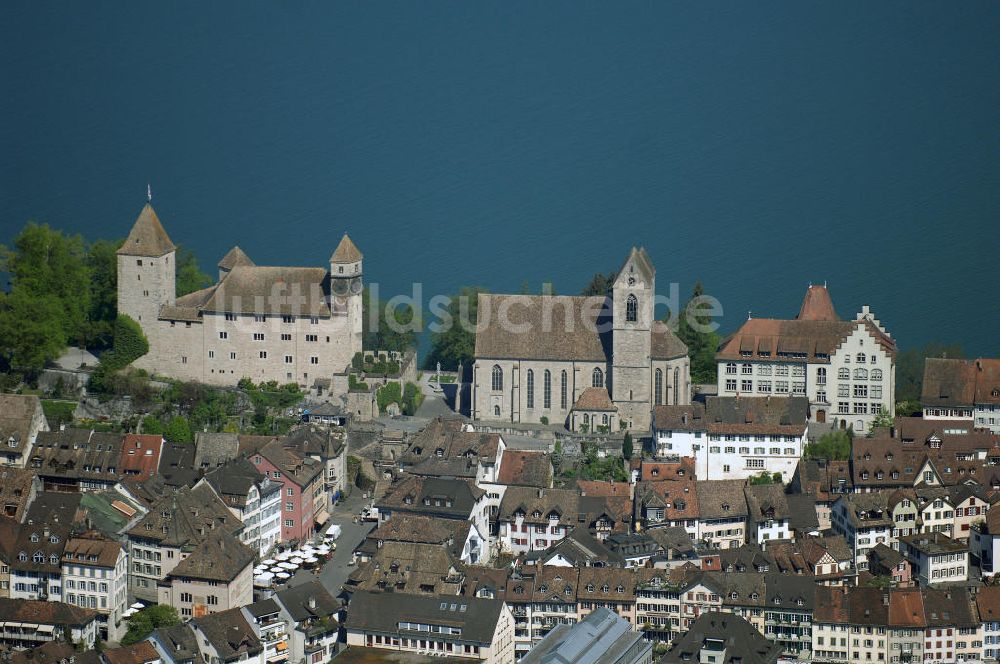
[139,605]
[128,613]
[276,569]
[323,548]
[259,569]
[283,575]
[311,559]
[263,579]
[287,566]
[284,555]
[296,561]
[268,562]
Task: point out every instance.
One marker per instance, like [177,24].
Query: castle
[288,324]
[593,363]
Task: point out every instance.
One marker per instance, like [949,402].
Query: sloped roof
[950,382]
[382,612]
[147,237]
[817,305]
[17,412]
[594,398]
[219,557]
[254,289]
[234,257]
[346,251]
[757,415]
[230,634]
[526,469]
[639,258]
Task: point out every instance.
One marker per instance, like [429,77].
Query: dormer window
[605,588]
[754,596]
[733,595]
[620,589]
[543,588]
[590,587]
[34,537]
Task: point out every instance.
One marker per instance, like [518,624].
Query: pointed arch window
[597,379]
[496,411]
[631,309]
[563,391]
[658,387]
[547,389]
[531,388]
[497,378]
[677,385]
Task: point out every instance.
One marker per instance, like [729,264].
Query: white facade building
[95,576]
[846,369]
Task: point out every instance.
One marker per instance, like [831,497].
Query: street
[337,569]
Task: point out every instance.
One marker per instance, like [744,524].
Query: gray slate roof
[147,237]
[381,612]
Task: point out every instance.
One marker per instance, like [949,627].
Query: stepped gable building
[846,368]
[588,362]
[288,324]
[966,390]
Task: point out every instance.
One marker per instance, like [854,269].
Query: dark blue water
[755,146]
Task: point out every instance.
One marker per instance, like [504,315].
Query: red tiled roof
[141,455]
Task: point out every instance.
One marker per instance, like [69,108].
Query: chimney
[885,599]
[541,493]
[684,418]
[45,531]
[62,426]
[312,603]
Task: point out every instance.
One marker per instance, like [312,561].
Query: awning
[46,629]
[29,625]
[281,646]
[13,624]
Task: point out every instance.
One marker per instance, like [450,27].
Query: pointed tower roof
[147,237]
[643,265]
[817,305]
[236,256]
[346,252]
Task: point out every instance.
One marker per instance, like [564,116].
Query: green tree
[394,329]
[627,446]
[46,263]
[701,344]
[102,262]
[883,420]
[31,330]
[832,446]
[189,277]
[456,341]
[765,478]
[142,624]
[600,284]
[178,430]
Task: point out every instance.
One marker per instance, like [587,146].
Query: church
[287,324]
[591,363]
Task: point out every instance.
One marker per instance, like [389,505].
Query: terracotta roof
[603,489]
[766,502]
[988,603]
[185,517]
[15,491]
[251,289]
[50,652]
[817,305]
[949,382]
[230,634]
[770,339]
[652,471]
[603,584]
[143,652]
[235,257]
[594,398]
[532,469]
[293,464]
[346,251]
[140,455]
[147,237]
[92,552]
[564,502]
[677,498]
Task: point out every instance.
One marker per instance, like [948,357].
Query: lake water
[755,146]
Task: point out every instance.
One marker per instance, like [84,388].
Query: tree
[600,284]
[883,420]
[142,624]
[31,330]
[189,277]
[832,446]
[765,477]
[102,261]
[627,446]
[394,329]
[701,344]
[178,430]
[456,341]
[46,263]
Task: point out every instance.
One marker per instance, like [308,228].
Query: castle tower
[234,258]
[632,304]
[146,270]
[346,284]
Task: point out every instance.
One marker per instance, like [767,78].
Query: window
[259,318]
[746,369]
[211,354]
[186,597]
[843,390]
[781,386]
[597,378]
[287,319]
[843,373]
[730,368]
[497,379]
[232,356]
[289,507]
[860,391]
[313,360]
[230,317]
[821,376]
[531,388]
[861,358]
[547,389]
[747,385]
[731,385]
[843,407]
[289,523]
[658,387]
[763,386]
[286,337]
[563,391]
[258,336]
[876,374]
[496,411]
[312,337]
[631,309]
[860,374]
[288,359]
[223,335]
[263,354]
